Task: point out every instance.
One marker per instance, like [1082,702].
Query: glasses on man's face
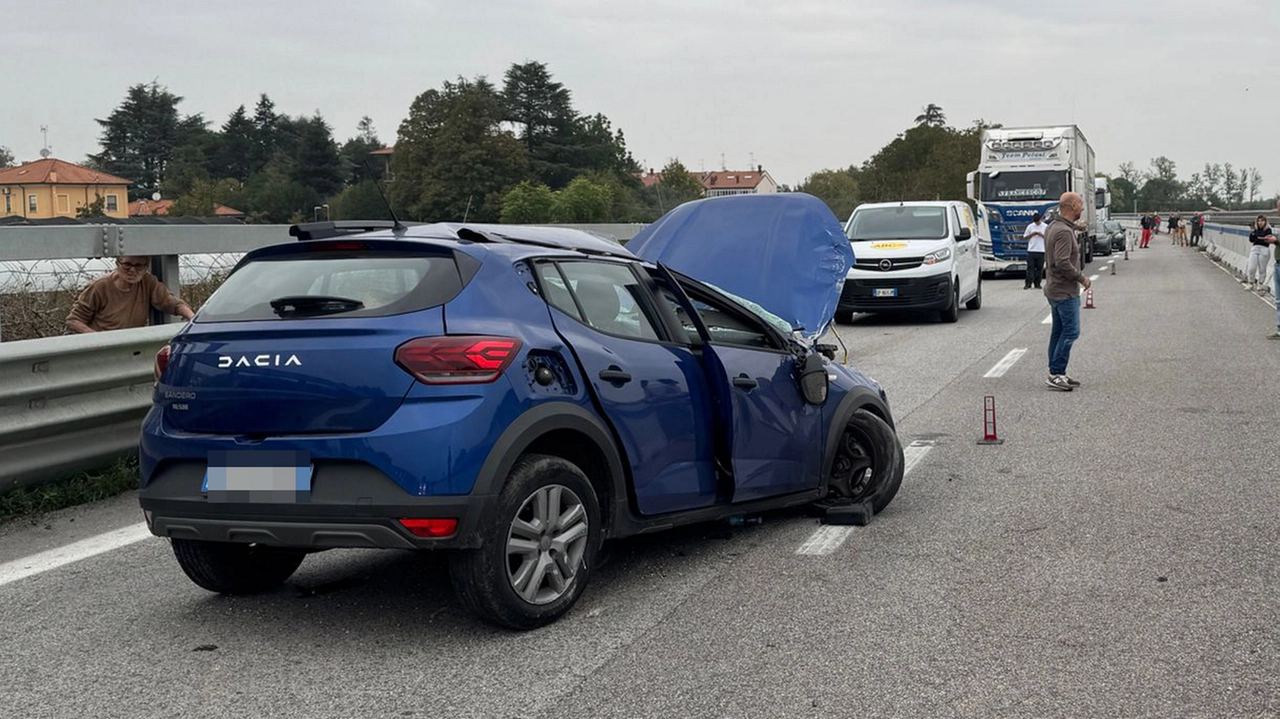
[135,266]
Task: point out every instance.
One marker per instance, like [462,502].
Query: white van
[912,255]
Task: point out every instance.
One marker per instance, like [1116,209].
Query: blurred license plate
[258,477]
[887,292]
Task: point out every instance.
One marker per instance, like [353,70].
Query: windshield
[1027,186]
[898,223]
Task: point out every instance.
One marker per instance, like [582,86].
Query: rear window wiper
[311,305]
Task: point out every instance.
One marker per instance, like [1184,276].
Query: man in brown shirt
[124,299]
[1063,280]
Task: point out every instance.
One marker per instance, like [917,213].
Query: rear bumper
[351,504]
[911,293]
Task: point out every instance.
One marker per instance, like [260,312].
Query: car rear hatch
[303,339]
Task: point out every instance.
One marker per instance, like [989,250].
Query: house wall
[61,200]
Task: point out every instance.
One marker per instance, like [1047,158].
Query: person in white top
[1034,235]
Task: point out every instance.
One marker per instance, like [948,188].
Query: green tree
[266,131]
[932,115]
[97,208]
[529,203]
[543,110]
[236,147]
[139,136]
[676,187]
[1123,194]
[316,164]
[273,195]
[359,201]
[6,157]
[583,201]
[205,195]
[837,188]
[185,169]
[453,159]
[355,153]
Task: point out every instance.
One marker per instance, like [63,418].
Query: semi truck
[1025,170]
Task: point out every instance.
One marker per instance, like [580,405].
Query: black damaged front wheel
[869,463]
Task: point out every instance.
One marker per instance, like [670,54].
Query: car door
[653,390]
[968,262]
[775,437]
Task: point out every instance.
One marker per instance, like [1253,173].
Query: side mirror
[964,234]
[969,187]
[814,382]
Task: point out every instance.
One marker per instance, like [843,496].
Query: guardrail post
[166,269]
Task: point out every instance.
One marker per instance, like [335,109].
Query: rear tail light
[457,360]
[431,528]
[162,362]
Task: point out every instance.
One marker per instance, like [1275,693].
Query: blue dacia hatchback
[515,395]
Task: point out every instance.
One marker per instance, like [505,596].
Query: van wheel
[869,463]
[231,568]
[975,303]
[539,546]
[952,313]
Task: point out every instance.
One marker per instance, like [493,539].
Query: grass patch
[77,489]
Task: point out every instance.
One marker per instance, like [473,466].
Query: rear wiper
[314,305]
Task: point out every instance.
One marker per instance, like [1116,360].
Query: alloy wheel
[546,543]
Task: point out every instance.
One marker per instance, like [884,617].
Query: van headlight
[937,256]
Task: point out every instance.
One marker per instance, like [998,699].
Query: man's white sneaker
[1058,382]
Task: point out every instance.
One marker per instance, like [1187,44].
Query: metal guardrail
[73,403]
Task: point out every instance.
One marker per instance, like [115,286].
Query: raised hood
[785,252]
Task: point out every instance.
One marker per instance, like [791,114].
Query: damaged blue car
[514,395]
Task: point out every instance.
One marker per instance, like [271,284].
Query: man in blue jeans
[1063,280]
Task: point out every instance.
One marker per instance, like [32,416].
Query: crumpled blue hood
[786,252]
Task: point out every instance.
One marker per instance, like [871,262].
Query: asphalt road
[1117,556]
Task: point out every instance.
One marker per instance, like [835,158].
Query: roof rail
[340,228]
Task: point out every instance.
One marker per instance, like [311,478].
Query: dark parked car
[1112,233]
[513,395]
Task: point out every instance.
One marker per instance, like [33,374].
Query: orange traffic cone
[1088,299]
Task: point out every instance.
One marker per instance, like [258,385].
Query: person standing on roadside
[1063,281]
[1034,235]
[124,298]
[1146,229]
[1197,228]
[1260,241]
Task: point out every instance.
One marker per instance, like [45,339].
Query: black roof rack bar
[340,228]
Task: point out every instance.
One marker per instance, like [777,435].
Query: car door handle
[615,375]
[744,382]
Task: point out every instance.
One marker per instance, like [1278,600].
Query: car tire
[232,568]
[869,463]
[952,313]
[975,302]
[488,580]
[844,318]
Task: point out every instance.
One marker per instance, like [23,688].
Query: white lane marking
[1232,275]
[1048,320]
[1003,365]
[825,540]
[60,557]
[828,538]
[1094,278]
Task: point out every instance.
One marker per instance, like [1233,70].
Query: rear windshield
[337,285]
[898,223]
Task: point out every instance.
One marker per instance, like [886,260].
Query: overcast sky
[801,85]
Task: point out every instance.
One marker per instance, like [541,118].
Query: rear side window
[335,285]
[609,295]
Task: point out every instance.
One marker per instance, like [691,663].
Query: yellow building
[53,188]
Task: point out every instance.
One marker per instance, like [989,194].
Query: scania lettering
[1024,171]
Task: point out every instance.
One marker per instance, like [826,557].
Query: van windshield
[898,223]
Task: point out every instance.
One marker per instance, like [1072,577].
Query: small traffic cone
[1113,267]
[1088,299]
